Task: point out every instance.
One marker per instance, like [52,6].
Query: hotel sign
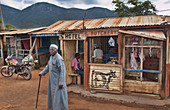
[101,33]
[72,36]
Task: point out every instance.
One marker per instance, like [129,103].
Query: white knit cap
[53,45]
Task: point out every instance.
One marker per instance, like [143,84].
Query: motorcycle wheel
[27,75]
[5,73]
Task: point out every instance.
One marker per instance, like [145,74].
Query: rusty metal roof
[21,31]
[167,18]
[149,34]
[152,20]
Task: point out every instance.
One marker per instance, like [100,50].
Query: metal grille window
[109,46]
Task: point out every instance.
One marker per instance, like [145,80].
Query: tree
[134,8]
[7,26]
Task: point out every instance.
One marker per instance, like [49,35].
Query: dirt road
[19,94]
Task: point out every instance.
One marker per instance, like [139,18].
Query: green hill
[45,14]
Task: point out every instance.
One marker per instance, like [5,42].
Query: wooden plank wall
[105,82]
[167,63]
[143,87]
[69,54]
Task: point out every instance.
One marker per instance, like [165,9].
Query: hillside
[45,14]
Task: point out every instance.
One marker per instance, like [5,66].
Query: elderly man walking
[57,89]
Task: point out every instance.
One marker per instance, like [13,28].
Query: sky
[161,5]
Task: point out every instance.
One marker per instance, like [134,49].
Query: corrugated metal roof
[107,23]
[149,34]
[21,31]
[167,18]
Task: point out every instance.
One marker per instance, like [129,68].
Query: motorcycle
[15,67]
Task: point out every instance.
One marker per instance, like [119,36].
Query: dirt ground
[19,94]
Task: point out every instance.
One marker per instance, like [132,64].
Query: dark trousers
[81,73]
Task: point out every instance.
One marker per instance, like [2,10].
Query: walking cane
[38,91]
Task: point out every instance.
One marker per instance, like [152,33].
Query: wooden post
[167,45]
[30,41]
[36,47]
[33,45]
[2,54]
[86,67]
[167,50]
[62,48]
[77,46]
[90,44]
[119,50]
[160,69]
[141,64]
[16,54]
[167,65]
[123,52]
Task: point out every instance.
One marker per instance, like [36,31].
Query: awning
[159,35]
[45,35]
[21,31]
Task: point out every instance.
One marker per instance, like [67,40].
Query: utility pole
[3,27]
[3,39]
[83,20]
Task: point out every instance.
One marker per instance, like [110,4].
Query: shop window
[109,47]
[142,59]
[45,41]
[81,46]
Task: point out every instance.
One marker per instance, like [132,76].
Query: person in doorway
[76,66]
[98,54]
[57,89]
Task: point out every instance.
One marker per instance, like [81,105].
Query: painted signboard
[108,32]
[105,77]
[72,36]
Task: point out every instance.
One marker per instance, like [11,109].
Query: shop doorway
[70,48]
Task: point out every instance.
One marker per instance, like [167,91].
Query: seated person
[76,66]
[98,54]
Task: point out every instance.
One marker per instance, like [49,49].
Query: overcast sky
[84,4]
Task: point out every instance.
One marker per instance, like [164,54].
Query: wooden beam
[62,48]
[141,64]
[121,79]
[36,48]
[86,67]
[16,55]
[167,49]
[33,45]
[77,46]
[167,65]
[30,41]
[142,46]
[90,44]
[160,69]
[2,55]
[123,51]
[119,50]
